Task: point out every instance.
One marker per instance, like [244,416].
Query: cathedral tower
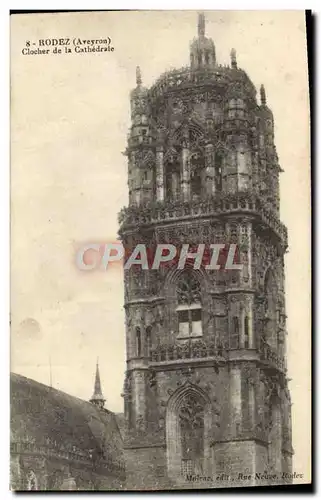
[205,393]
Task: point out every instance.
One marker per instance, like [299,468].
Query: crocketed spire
[202,51]
[97,397]
[263,95]
[233,59]
[201,24]
[138,76]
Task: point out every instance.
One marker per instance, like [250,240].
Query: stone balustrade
[185,76]
[212,206]
[270,355]
[199,349]
[189,350]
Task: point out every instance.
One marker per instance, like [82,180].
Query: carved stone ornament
[191,412]
[188,290]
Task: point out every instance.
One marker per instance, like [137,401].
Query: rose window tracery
[188,290]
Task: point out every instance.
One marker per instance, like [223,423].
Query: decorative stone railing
[73,454]
[199,349]
[185,76]
[190,350]
[269,355]
[153,213]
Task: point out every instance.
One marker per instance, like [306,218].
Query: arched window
[241,160]
[196,184]
[236,108]
[148,340]
[197,168]
[172,179]
[188,432]
[246,332]
[189,309]
[231,108]
[235,333]
[191,421]
[138,342]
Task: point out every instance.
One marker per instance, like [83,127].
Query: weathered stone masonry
[206,384]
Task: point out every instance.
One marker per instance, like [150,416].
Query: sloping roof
[120,419]
[43,415]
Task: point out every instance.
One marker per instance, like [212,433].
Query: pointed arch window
[196,184]
[148,340]
[188,433]
[138,342]
[189,308]
[246,332]
[191,421]
[172,178]
[236,108]
[235,333]
[241,160]
[197,169]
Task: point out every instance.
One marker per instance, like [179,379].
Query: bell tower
[205,393]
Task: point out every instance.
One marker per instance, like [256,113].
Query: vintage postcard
[160,250]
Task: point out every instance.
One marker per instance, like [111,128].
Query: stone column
[139,398]
[249,236]
[250,315]
[159,173]
[235,399]
[276,438]
[252,402]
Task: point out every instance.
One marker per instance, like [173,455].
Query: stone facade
[205,393]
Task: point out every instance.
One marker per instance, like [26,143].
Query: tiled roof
[47,417]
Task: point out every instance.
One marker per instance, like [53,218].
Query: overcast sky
[70,117]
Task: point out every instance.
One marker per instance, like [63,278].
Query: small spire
[233,59]
[97,398]
[263,95]
[201,24]
[138,76]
